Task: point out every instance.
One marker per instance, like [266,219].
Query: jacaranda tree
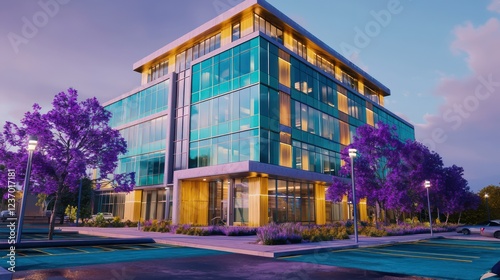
[454,192]
[378,148]
[73,137]
[390,174]
[416,164]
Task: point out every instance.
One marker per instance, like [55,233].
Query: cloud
[465,129]
[494,6]
[86,45]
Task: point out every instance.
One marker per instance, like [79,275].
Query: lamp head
[486,195]
[352,153]
[427,184]
[33,141]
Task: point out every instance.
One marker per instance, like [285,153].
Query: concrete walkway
[248,244]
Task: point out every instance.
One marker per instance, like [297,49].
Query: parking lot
[70,256]
[435,258]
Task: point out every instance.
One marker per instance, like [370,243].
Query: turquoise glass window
[139,105]
[225,72]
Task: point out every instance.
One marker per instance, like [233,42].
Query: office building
[242,120]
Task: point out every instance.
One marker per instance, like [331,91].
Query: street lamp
[427,185]
[79,200]
[487,205]
[352,155]
[31,148]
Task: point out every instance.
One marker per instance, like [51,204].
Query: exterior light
[32,142]
[427,185]
[487,205]
[352,155]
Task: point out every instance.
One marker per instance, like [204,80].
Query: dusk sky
[439,58]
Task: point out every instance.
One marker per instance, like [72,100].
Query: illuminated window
[299,49]
[264,26]
[344,133]
[284,68]
[342,103]
[285,149]
[236,32]
[303,116]
[369,117]
[285,109]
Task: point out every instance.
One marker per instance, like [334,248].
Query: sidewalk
[248,244]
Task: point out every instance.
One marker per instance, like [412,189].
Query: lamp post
[487,205]
[427,185]
[31,148]
[79,200]
[352,155]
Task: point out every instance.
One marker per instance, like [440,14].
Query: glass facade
[157,71]
[218,202]
[304,127]
[290,201]
[277,97]
[109,202]
[153,205]
[146,151]
[144,103]
[264,26]
[230,70]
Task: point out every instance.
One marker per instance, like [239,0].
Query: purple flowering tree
[378,153]
[454,192]
[390,174]
[416,164]
[73,137]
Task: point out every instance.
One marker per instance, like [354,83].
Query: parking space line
[343,250]
[106,249]
[290,257]
[412,256]
[428,243]
[426,253]
[77,249]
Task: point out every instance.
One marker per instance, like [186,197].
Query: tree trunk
[396,216]
[54,210]
[377,216]
[459,216]
[447,216]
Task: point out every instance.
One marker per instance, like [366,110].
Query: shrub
[182,229]
[129,223]
[373,231]
[239,231]
[341,233]
[271,234]
[71,213]
[216,230]
[196,231]
[117,222]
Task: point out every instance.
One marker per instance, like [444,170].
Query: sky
[439,58]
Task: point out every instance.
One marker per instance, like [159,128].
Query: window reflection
[290,201]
